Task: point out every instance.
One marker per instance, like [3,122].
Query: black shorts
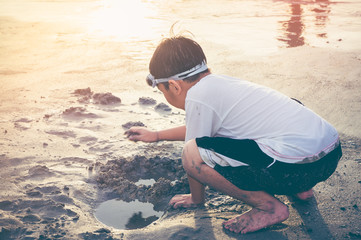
[280,178]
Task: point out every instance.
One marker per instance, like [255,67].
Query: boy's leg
[266,210]
[196,198]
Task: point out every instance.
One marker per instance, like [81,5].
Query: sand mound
[121,176]
[86,95]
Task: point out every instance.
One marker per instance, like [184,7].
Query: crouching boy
[242,139]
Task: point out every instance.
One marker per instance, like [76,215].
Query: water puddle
[126,215]
[146,182]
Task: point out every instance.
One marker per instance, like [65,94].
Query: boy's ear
[175,86]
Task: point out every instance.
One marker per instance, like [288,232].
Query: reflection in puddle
[293,30]
[126,215]
[150,182]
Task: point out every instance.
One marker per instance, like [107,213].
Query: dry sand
[61,148]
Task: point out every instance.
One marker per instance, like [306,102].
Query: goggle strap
[180,76]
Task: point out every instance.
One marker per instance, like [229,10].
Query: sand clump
[86,95]
[147,101]
[133,124]
[105,98]
[163,107]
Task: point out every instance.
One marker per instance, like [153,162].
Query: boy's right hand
[142,134]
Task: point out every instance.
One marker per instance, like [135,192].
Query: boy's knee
[187,149]
[189,154]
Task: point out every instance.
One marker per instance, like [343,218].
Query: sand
[66,101]
[58,149]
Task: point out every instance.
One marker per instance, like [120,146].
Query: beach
[72,81]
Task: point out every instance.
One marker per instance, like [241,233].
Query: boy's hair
[175,55]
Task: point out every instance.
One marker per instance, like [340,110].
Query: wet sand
[66,101]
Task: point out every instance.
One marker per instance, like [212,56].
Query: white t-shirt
[221,106]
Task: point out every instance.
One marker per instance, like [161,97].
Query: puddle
[146,182]
[126,215]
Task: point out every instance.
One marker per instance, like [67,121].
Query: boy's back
[221,106]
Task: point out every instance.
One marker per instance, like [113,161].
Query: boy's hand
[142,134]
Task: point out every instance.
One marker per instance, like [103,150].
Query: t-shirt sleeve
[201,120]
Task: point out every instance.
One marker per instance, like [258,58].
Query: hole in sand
[126,215]
[143,187]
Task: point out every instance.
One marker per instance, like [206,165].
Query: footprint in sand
[40,172]
[63,134]
[23,123]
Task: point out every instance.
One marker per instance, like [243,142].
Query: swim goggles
[180,76]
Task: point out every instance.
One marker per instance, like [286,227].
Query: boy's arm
[173,134]
[145,135]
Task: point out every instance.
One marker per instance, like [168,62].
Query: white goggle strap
[180,76]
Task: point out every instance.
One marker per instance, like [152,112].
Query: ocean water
[50,48]
[253,27]
[89,39]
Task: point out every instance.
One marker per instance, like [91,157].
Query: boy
[243,139]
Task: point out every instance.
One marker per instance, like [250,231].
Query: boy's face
[172,95]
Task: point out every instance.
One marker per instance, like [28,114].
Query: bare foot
[256,218]
[305,195]
[183,200]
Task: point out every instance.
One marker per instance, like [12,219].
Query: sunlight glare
[124,19]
